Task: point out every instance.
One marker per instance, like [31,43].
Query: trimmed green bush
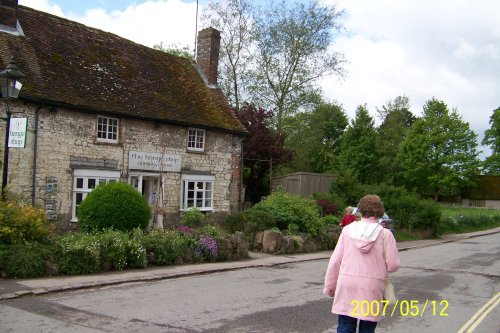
[20,223]
[114,205]
[249,221]
[287,209]
[193,217]
[78,253]
[331,219]
[165,244]
[408,210]
[25,260]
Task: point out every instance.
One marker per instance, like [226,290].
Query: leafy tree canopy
[293,52]
[492,139]
[273,56]
[315,137]
[175,50]
[358,149]
[438,155]
[396,120]
[234,19]
[263,146]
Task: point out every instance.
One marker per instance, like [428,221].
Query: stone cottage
[96,108]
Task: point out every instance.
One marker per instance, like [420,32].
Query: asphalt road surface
[452,287]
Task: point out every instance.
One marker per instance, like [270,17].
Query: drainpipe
[240,199]
[35,151]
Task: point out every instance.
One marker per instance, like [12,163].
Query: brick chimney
[207,55]
[8,16]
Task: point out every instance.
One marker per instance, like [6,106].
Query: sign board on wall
[17,132]
[138,160]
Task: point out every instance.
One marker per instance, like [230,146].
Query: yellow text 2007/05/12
[404,308]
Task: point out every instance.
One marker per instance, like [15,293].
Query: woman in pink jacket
[358,268]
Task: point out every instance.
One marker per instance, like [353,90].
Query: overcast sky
[447,49]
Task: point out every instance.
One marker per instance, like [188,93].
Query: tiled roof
[69,64]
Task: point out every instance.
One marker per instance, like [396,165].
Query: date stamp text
[403,308]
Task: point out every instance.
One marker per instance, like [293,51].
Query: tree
[359,155]
[396,120]
[233,18]
[293,52]
[315,137]
[438,155]
[262,145]
[174,50]
[492,139]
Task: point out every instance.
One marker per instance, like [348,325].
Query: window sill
[194,151]
[200,209]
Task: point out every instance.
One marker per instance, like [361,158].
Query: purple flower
[206,246]
[185,229]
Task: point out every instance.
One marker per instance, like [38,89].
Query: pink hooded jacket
[357,270]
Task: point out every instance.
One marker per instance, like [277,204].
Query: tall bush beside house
[20,223]
[114,205]
[25,236]
[288,209]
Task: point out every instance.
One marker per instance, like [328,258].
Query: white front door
[148,186]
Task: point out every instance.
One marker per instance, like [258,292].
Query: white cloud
[43,5]
[148,23]
[447,49]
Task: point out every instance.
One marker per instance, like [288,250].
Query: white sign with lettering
[138,160]
[17,132]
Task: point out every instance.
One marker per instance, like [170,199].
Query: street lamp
[10,88]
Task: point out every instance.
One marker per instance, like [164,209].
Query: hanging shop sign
[17,132]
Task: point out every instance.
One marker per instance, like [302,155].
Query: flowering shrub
[20,223]
[211,230]
[185,229]
[113,248]
[78,253]
[206,248]
[82,253]
[165,244]
[136,254]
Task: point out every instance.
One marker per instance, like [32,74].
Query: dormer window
[107,129]
[196,139]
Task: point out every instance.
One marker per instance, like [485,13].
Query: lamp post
[10,88]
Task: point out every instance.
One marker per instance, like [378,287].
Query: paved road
[456,279]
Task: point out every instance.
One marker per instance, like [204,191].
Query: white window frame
[82,178]
[200,194]
[196,139]
[112,129]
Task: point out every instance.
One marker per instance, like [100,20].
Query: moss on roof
[69,63]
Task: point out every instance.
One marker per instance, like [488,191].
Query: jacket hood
[364,234]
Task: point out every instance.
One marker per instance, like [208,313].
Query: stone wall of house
[67,138]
